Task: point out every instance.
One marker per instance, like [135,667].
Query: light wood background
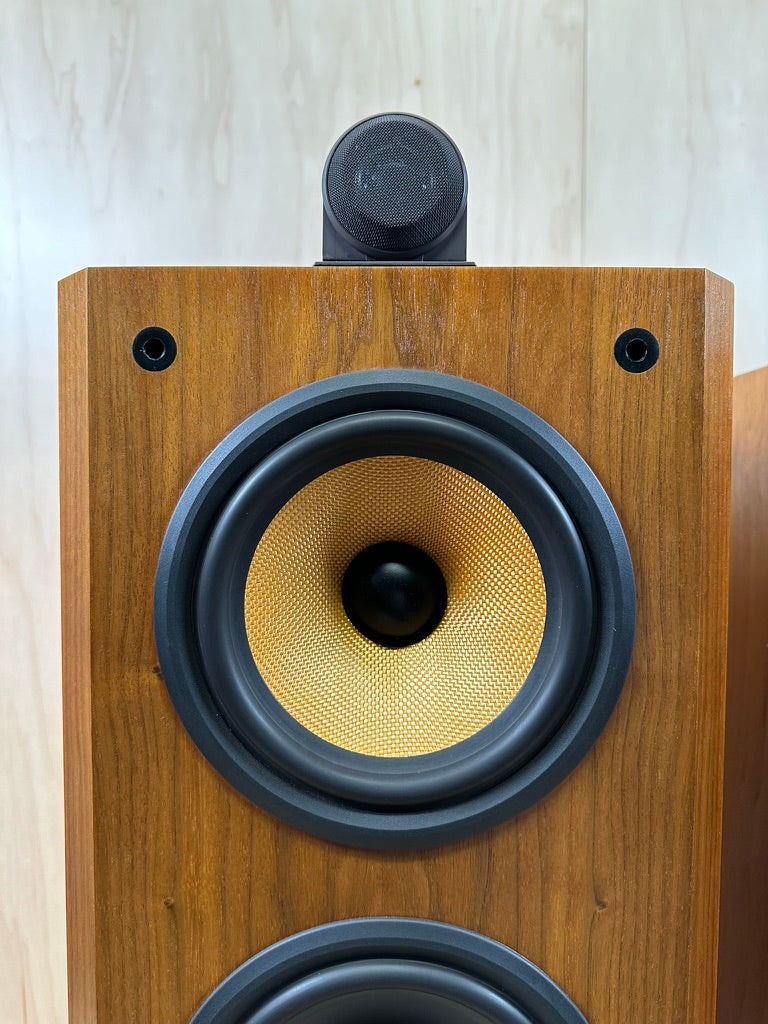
[194,131]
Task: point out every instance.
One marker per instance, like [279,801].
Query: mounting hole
[154,348]
[636,350]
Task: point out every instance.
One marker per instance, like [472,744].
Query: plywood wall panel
[676,146]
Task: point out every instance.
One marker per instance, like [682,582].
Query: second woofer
[394,608]
[385,970]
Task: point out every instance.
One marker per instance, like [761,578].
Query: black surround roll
[382,970]
[316,784]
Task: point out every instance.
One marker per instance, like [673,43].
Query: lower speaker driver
[382,970]
[383,991]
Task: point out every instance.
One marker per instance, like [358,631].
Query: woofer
[380,970]
[441,737]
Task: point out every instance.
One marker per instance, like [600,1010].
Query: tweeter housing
[395,191]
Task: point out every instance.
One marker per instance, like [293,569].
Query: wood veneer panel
[76,649]
[610,883]
[714,525]
[744,920]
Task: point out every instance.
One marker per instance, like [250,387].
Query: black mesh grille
[395,183]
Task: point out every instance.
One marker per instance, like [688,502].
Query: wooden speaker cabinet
[607,877]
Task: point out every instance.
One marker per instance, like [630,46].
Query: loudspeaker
[395,635]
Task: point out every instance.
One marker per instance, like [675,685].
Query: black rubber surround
[394,802]
[381,970]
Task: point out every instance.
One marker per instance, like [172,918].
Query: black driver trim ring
[477,762]
[535,441]
[244,996]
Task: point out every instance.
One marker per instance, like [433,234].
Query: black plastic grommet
[154,348]
[636,350]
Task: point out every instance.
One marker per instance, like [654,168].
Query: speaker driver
[381,970]
[395,187]
[394,608]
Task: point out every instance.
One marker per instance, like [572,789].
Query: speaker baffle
[381,970]
[351,739]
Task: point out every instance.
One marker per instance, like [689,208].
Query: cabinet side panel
[76,645]
[711,669]
[744,912]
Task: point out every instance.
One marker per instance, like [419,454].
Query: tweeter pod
[395,189]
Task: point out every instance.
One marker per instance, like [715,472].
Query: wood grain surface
[194,133]
[610,883]
[744,920]
[75,423]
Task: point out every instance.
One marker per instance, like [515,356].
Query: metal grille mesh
[395,183]
[412,700]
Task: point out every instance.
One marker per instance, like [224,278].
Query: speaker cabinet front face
[265,734]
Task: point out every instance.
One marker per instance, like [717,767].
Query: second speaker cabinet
[545,454]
